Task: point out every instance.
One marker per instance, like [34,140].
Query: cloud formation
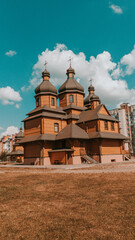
[116,9]
[129,61]
[10,131]
[106,74]
[9,96]
[10,53]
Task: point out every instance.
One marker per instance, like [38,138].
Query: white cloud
[9,96]
[129,61]
[10,53]
[1,128]
[116,9]
[105,73]
[17,105]
[10,131]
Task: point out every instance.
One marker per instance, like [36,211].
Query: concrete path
[83,168]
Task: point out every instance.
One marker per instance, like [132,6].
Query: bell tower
[46,93]
[91,101]
[71,92]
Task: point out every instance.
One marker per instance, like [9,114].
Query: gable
[103,110]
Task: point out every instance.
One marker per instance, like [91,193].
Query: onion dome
[71,84]
[94,97]
[91,97]
[91,88]
[87,99]
[70,70]
[45,73]
[46,86]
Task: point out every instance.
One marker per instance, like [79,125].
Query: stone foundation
[46,161]
[77,160]
[111,158]
[37,161]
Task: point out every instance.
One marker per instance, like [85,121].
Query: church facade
[79,130]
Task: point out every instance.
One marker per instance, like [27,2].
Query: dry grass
[67,206]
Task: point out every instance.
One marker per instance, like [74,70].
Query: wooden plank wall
[110,146]
[48,125]
[32,150]
[32,127]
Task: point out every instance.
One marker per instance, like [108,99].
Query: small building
[76,131]
[17,153]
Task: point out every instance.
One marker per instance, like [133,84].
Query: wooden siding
[103,111]
[32,150]
[102,127]
[32,127]
[48,125]
[111,146]
[57,156]
[92,126]
[47,147]
[65,99]
[78,148]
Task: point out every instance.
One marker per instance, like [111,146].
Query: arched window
[56,127]
[53,101]
[71,98]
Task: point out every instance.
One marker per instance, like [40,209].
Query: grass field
[67,206]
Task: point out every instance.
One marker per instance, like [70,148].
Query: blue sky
[92,27]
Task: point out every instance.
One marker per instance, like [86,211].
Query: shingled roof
[90,115]
[72,131]
[38,137]
[108,135]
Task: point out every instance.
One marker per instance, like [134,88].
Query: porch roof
[61,150]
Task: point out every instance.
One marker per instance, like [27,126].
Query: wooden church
[79,130]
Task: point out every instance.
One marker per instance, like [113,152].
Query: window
[112,126]
[71,98]
[106,124]
[113,160]
[52,101]
[56,127]
[37,102]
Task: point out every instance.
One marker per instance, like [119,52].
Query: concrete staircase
[88,159]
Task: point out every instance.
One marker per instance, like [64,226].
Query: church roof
[46,108]
[46,87]
[71,84]
[89,115]
[18,152]
[108,135]
[72,131]
[38,137]
[90,98]
[20,134]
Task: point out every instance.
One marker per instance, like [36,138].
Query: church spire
[91,88]
[70,71]
[91,101]
[45,73]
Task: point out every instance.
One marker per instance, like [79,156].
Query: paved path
[83,168]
